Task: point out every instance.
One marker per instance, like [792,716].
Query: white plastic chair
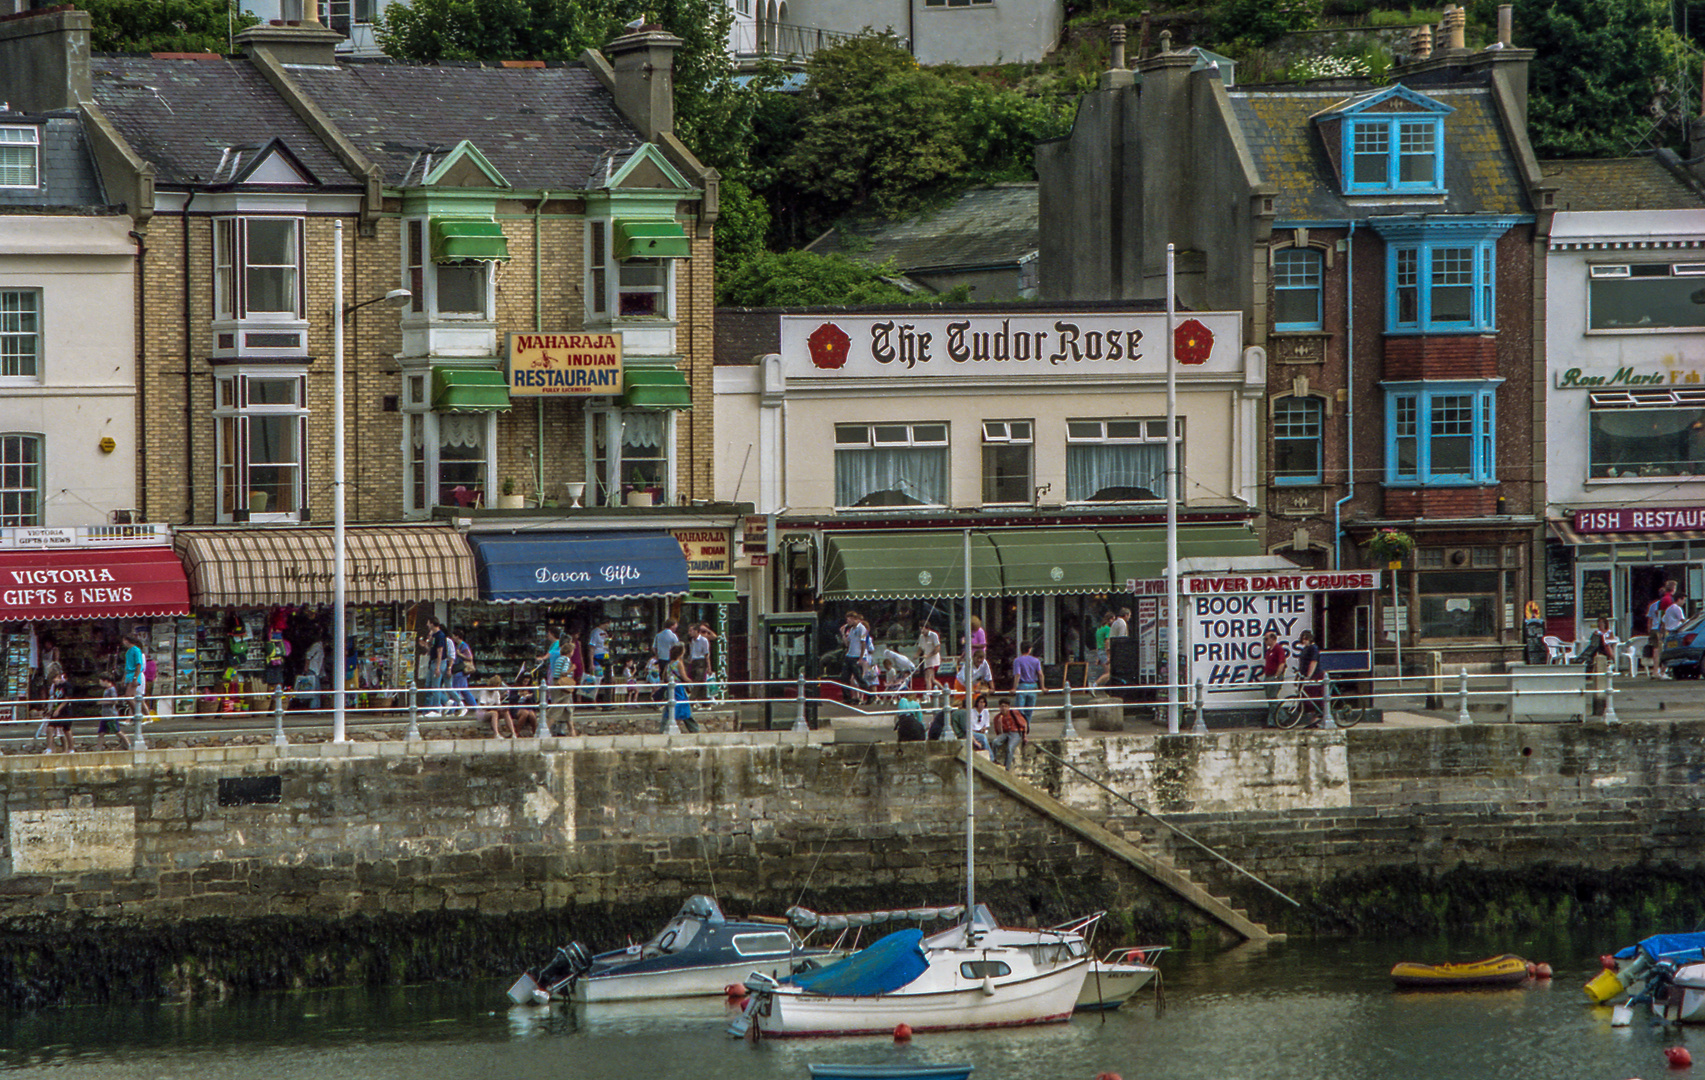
[1557,651]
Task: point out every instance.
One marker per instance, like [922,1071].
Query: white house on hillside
[937,31]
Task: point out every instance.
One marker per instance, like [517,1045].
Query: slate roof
[541,128]
[992,226]
[1640,183]
[182,115]
[1479,165]
[68,174]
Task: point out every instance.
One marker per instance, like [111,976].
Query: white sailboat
[975,975]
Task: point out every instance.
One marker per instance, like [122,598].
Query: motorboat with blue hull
[698,954]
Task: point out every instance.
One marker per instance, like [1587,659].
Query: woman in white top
[929,654]
[980,725]
[491,707]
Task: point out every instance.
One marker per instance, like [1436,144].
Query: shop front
[72,593]
[256,586]
[1613,562]
[533,580]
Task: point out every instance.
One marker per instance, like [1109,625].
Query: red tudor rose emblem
[1192,342]
[829,345]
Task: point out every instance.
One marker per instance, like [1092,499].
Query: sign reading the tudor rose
[1043,344]
[1640,519]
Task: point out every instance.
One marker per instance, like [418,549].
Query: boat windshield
[674,937]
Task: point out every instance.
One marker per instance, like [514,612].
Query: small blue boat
[960,1070]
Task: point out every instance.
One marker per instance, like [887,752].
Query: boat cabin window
[761,944]
[977,969]
[674,937]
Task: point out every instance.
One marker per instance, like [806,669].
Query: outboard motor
[569,963]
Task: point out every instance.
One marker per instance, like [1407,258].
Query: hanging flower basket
[1390,545]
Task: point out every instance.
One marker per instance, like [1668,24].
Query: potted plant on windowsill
[511,498]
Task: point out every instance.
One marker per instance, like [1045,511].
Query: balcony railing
[781,41]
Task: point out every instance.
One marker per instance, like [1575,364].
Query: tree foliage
[1594,76]
[164,25]
[804,279]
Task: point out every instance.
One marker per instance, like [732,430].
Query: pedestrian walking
[110,713]
[854,635]
[929,655]
[1027,680]
[437,645]
[683,702]
[663,647]
[1272,674]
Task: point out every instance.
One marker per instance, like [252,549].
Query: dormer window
[1390,141]
[20,157]
[1394,153]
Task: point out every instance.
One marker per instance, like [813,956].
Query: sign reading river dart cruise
[564,365]
[1040,344]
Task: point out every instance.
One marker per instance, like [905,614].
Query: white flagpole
[1172,614]
[970,774]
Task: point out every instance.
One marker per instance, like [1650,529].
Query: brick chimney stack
[44,60]
[642,65]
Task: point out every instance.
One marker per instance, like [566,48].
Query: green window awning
[712,590]
[1053,562]
[907,565]
[469,390]
[455,239]
[1139,552]
[656,388]
[651,238]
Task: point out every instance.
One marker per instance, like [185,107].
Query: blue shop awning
[547,567]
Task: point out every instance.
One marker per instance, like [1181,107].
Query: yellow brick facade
[177,469]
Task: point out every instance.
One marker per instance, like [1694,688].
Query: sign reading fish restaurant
[564,365]
[1043,344]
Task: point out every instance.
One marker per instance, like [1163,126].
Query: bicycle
[1347,709]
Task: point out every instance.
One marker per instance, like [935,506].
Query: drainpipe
[1349,400]
[538,328]
[141,375]
[189,379]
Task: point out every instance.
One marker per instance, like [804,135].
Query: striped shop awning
[1565,532]
[266,565]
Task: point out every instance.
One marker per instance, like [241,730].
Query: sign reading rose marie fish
[1042,344]
[564,365]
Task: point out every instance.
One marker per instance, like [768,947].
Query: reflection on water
[1287,1012]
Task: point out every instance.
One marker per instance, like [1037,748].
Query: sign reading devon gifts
[1041,343]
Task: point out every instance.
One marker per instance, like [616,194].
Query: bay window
[1121,460]
[633,454]
[622,284]
[880,465]
[1647,433]
[449,452]
[1441,286]
[257,287]
[1440,433]
[261,420]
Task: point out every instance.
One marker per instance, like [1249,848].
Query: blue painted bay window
[1441,275]
[1441,434]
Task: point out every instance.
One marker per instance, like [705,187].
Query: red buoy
[1678,1057]
[902,1033]
[1542,971]
[734,990]
[1532,969]
[1607,962]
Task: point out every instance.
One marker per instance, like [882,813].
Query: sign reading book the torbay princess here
[1043,345]
[565,365]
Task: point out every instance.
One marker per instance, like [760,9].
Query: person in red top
[1273,657]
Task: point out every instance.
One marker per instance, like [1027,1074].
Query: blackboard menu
[1559,583]
[1595,596]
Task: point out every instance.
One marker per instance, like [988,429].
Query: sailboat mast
[970,752]
[1172,618]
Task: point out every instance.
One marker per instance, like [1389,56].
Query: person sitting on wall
[908,721]
[1600,643]
[491,707]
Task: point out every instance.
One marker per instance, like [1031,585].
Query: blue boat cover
[1676,948]
[881,968]
[541,567]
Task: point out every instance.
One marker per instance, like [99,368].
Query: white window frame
[1115,431]
[901,435]
[997,433]
[13,336]
[420,277]
[13,484]
[230,403]
[420,421]
[231,265]
[14,137]
[1625,271]
[603,278]
[604,423]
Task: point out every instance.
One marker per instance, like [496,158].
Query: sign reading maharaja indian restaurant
[1043,344]
[565,365]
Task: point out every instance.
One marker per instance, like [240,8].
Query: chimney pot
[1421,42]
[1166,41]
[1117,36]
[1506,24]
[1452,25]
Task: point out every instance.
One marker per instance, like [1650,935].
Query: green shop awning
[650,238]
[1139,552]
[907,565]
[1047,562]
[469,390]
[656,388]
[455,239]
[712,590]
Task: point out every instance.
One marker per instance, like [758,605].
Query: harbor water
[1296,1011]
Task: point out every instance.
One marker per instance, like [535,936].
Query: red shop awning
[92,583]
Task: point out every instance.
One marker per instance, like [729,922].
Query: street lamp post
[340,629]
